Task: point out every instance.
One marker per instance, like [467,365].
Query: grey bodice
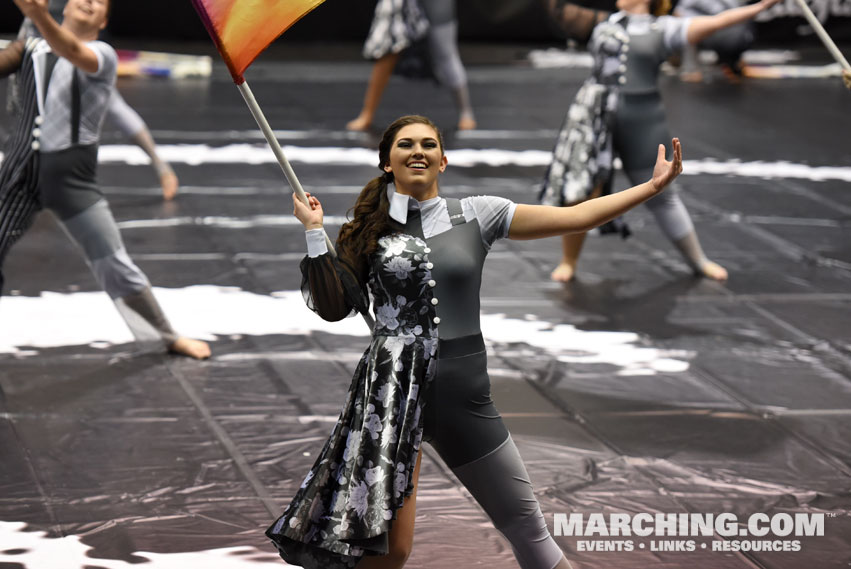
[628,49]
[456,257]
[642,64]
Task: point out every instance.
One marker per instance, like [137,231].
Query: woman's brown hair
[660,7]
[359,237]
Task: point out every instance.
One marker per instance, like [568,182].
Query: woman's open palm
[664,172]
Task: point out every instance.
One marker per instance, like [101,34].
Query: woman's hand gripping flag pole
[241,30]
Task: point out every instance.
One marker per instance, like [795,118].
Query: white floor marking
[34,550]
[89,318]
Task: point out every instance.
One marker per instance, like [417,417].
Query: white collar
[401,203]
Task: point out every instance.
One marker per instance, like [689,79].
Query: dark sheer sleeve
[574,21]
[11,58]
[331,289]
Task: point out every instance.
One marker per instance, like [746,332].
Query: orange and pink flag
[244,28]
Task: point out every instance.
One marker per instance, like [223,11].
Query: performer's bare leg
[381,72]
[401,533]
[571,247]
[466,118]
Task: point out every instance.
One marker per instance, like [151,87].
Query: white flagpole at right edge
[822,34]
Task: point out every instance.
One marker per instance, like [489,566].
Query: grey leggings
[443,42]
[500,484]
[69,190]
[464,427]
[639,129]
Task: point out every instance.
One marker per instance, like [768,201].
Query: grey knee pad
[671,214]
[95,231]
[500,484]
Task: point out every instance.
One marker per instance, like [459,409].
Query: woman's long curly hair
[359,237]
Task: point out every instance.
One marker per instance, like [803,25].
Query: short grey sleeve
[494,215]
[107,61]
[674,33]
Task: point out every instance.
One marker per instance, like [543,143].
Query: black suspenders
[49,64]
[456,212]
[75,108]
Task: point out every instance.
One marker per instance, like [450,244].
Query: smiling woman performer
[421,256]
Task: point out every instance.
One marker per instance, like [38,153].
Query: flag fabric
[242,29]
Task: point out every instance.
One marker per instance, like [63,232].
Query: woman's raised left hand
[664,172]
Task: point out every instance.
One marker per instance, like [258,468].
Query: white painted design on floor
[197,154]
[204,154]
[223,222]
[555,57]
[89,318]
[34,550]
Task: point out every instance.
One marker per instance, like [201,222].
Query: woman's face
[416,158]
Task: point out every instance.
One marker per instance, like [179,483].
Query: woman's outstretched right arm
[701,27]
[329,286]
[537,221]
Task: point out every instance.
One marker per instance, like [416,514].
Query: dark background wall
[479,20]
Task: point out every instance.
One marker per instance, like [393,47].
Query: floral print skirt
[583,154]
[344,508]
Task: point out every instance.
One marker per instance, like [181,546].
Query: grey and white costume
[424,377]
[618,111]
[58,135]
[398,24]
[118,113]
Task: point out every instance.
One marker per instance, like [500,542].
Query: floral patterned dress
[348,500]
[583,155]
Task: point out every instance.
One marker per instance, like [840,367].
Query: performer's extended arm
[537,221]
[11,58]
[63,42]
[701,27]
[329,285]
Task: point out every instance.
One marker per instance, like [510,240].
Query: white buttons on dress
[622,68]
[36,132]
[434,301]
[429,266]
[39,120]
[437,320]
[623,57]
[432,283]
[427,250]
[35,145]
[625,48]
[622,80]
